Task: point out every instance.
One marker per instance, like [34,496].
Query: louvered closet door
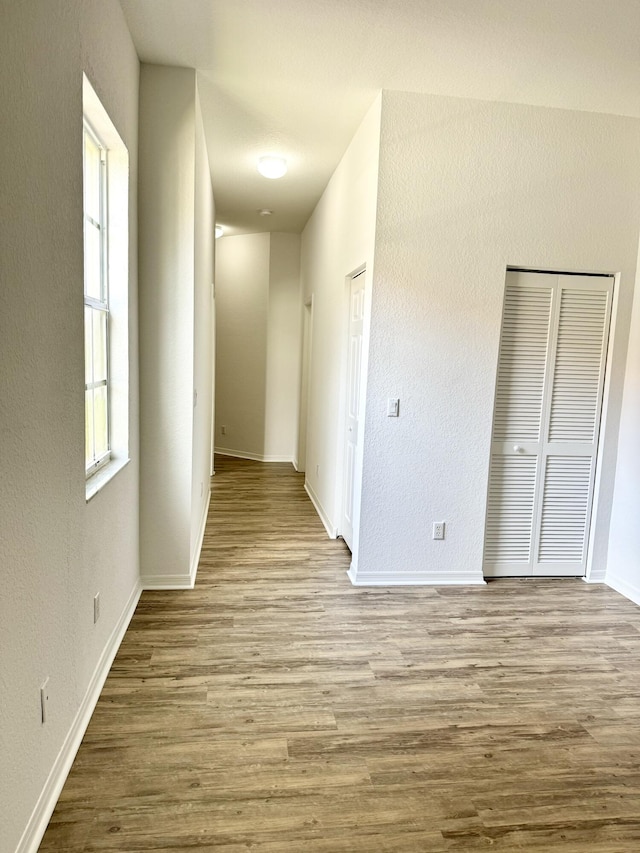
[546,423]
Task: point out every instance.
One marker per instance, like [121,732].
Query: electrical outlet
[96,607]
[44,700]
[223,430]
[438,530]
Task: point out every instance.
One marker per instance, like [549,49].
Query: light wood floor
[277,709]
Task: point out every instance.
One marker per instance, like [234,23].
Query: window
[96,304]
[106,294]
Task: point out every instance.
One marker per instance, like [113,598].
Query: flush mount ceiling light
[265,212]
[272,167]
[219,231]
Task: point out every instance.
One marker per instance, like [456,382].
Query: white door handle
[517,448]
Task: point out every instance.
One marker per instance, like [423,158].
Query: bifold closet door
[546,423]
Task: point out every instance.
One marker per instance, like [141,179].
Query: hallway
[279,709]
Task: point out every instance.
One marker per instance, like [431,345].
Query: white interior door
[553,346]
[352,430]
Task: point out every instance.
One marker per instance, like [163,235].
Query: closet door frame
[562,282]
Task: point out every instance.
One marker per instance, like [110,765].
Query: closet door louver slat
[565,507]
[521,369]
[510,511]
[579,356]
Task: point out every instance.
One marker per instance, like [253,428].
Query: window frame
[116,259]
[98,304]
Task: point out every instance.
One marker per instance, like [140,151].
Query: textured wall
[283,347]
[204,223]
[176,270]
[338,239]
[56,551]
[242,307]
[623,566]
[167,205]
[467,188]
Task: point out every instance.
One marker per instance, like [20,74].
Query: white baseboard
[629,590]
[254,457]
[195,562]
[415,579]
[41,815]
[595,574]
[152,582]
[324,518]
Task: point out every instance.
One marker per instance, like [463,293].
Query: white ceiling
[295,77]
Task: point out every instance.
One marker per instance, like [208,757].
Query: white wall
[203,325]
[242,306]
[175,281]
[167,204]
[56,551]
[338,239]
[283,347]
[623,566]
[257,345]
[467,188]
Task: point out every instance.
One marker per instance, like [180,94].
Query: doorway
[546,424]
[307,332]
[352,406]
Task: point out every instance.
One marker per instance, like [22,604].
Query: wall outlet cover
[438,529]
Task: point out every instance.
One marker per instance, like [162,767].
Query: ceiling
[295,77]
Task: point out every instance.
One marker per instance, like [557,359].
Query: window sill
[99,480]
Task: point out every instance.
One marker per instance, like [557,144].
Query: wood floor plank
[277,708]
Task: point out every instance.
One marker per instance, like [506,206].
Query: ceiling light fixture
[265,212]
[219,231]
[272,167]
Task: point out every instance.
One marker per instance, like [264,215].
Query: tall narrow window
[96,304]
[106,199]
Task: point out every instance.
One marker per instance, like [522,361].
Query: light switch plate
[393,407]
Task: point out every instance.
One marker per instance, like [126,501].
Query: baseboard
[629,590]
[154,582]
[254,457]
[415,579]
[324,518]
[41,815]
[195,562]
